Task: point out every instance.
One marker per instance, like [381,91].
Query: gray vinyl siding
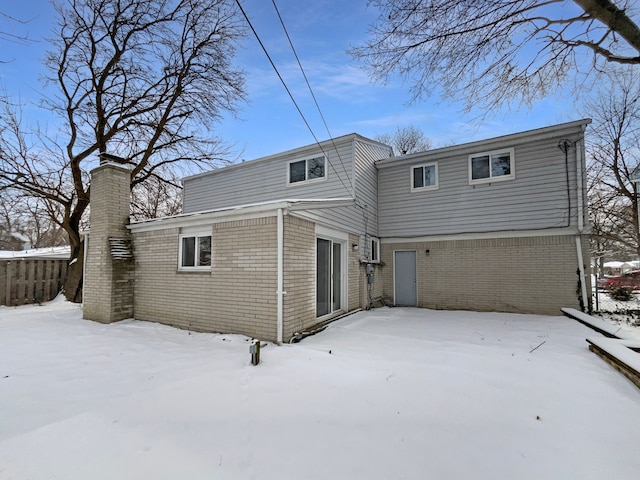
[535,199]
[366,154]
[265,180]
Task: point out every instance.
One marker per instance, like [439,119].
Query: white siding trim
[484,235]
[331,234]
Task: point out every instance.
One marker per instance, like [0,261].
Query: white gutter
[280,282]
[84,263]
[237,212]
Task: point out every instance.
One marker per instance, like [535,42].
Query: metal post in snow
[254,349]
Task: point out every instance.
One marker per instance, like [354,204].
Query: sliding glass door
[329,277]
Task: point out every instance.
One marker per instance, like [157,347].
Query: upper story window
[492,166]
[307,170]
[195,252]
[424,177]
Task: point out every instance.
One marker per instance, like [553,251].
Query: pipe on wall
[280,281]
[579,180]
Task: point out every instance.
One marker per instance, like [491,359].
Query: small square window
[307,170]
[315,168]
[297,172]
[195,252]
[491,166]
[424,177]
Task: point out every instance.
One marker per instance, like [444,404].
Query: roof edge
[511,137]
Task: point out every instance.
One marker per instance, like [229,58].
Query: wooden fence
[31,280]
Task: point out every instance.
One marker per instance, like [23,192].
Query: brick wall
[526,275]
[299,305]
[369,293]
[238,295]
[108,289]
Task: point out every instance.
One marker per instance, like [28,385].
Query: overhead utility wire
[365,212]
[264,49]
[312,96]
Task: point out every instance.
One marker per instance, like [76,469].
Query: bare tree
[26,223]
[487,53]
[155,198]
[142,79]
[613,152]
[406,140]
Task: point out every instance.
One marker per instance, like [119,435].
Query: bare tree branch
[491,53]
[143,79]
[613,155]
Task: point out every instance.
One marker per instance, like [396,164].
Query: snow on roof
[49,252]
[614,264]
[19,236]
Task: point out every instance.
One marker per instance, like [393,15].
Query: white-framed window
[424,177]
[194,252]
[306,170]
[375,250]
[492,166]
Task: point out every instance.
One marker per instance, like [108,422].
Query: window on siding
[424,177]
[307,170]
[491,166]
[195,252]
[375,250]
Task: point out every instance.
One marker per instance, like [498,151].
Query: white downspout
[280,287]
[84,264]
[579,180]
[583,285]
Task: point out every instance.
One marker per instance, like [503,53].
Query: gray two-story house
[274,246]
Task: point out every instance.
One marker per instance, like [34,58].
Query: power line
[264,49]
[315,100]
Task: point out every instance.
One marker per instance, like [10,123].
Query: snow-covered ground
[387,394]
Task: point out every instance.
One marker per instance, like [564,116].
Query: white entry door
[405,281]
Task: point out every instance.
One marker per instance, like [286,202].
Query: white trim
[377,250]
[483,235]
[196,235]
[579,182]
[490,178]
[515,139]
[344,272]
[331,234]
[424,188]
[236,212]
[306,180]
[280,279]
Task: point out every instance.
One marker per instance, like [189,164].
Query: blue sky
[268,122]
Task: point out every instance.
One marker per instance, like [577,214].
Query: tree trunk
[74,281]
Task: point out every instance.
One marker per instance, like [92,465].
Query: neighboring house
[618,268]
[13,240]
[275,246]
